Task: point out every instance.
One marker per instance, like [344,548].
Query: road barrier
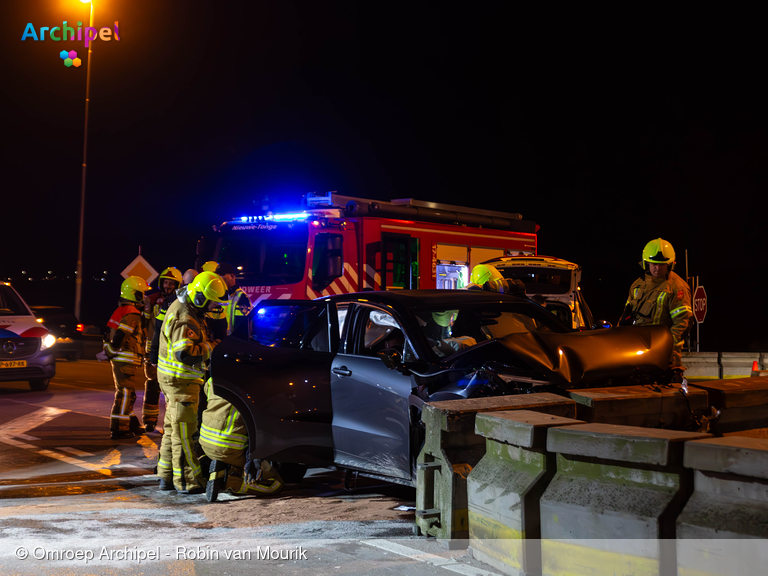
[722,365]
[614,499]
[729,502]
[503,490]
[742,403]
[452,449]
[646,406]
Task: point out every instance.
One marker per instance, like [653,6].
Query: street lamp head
[85,1]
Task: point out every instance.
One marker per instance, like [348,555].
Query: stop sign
[700,304]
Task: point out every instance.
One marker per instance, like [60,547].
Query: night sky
[607,129]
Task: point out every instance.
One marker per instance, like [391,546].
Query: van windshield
[10,303]
[539,280]
[267,257]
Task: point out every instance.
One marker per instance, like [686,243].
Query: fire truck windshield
[263,257]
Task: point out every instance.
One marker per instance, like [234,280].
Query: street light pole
[79,279]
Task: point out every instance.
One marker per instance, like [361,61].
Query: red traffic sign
[700,304]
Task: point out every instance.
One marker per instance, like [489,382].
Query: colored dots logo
[70,58]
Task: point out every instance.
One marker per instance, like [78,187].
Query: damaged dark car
[341,381]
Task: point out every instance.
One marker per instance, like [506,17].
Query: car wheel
[39,384]
[290,472]
[217,479]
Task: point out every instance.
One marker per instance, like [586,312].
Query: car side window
[380,332]
[295,326]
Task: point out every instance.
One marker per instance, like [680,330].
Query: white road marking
[434,560]
[26,437]
[30,421]
[74,451]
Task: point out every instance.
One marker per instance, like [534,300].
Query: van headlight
[47,341]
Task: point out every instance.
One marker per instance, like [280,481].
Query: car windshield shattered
[451,330]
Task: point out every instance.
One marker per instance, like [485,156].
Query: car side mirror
[391,358]
[602,324]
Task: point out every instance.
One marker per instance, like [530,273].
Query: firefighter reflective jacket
[239,306]
[659,301]
[184,344]
[152,306]
[129,347]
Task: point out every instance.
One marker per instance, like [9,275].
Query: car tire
[39,384]
[214,484]
[290,472]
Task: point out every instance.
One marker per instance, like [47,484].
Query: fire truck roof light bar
[290,217]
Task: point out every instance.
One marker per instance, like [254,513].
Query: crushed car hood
[579,357]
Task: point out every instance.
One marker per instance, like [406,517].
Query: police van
[26,347]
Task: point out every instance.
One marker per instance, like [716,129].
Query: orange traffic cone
[755,369]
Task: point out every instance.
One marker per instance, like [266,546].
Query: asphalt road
[72,501]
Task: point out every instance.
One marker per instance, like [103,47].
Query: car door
[275,369]
[371,427]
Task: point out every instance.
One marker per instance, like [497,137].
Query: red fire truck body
[341,244]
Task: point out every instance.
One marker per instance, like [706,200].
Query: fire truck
[338,244]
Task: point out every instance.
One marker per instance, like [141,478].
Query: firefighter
[124,347]
[167,283]
[487,277]
[239,303]
[660,296]
[185,347]
[209,266]
[224,438]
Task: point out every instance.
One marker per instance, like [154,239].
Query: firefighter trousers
[126,378]
[150,411]
[177,460]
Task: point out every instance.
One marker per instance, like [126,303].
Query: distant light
[261,311]
[243,218]
[239,267]
[640,352]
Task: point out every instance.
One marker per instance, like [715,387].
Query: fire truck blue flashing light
[290,217]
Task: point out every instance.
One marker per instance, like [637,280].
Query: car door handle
[343,371]
[243,357]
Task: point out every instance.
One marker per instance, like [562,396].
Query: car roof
[412,298]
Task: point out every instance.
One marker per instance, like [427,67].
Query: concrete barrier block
[614,499]
[452,449]
[702,365]
[645,406]
[728,508]
[763,360]
[742,402]
[503,490]
[738,364]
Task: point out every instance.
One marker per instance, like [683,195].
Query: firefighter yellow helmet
[483,273]
[445,318]
[207,287]
[210,266]
[133,288]
[658,251]
[170,273]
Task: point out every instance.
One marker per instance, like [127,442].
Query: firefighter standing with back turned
[124,347]
[185,348]
[167,283]
[660,296]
